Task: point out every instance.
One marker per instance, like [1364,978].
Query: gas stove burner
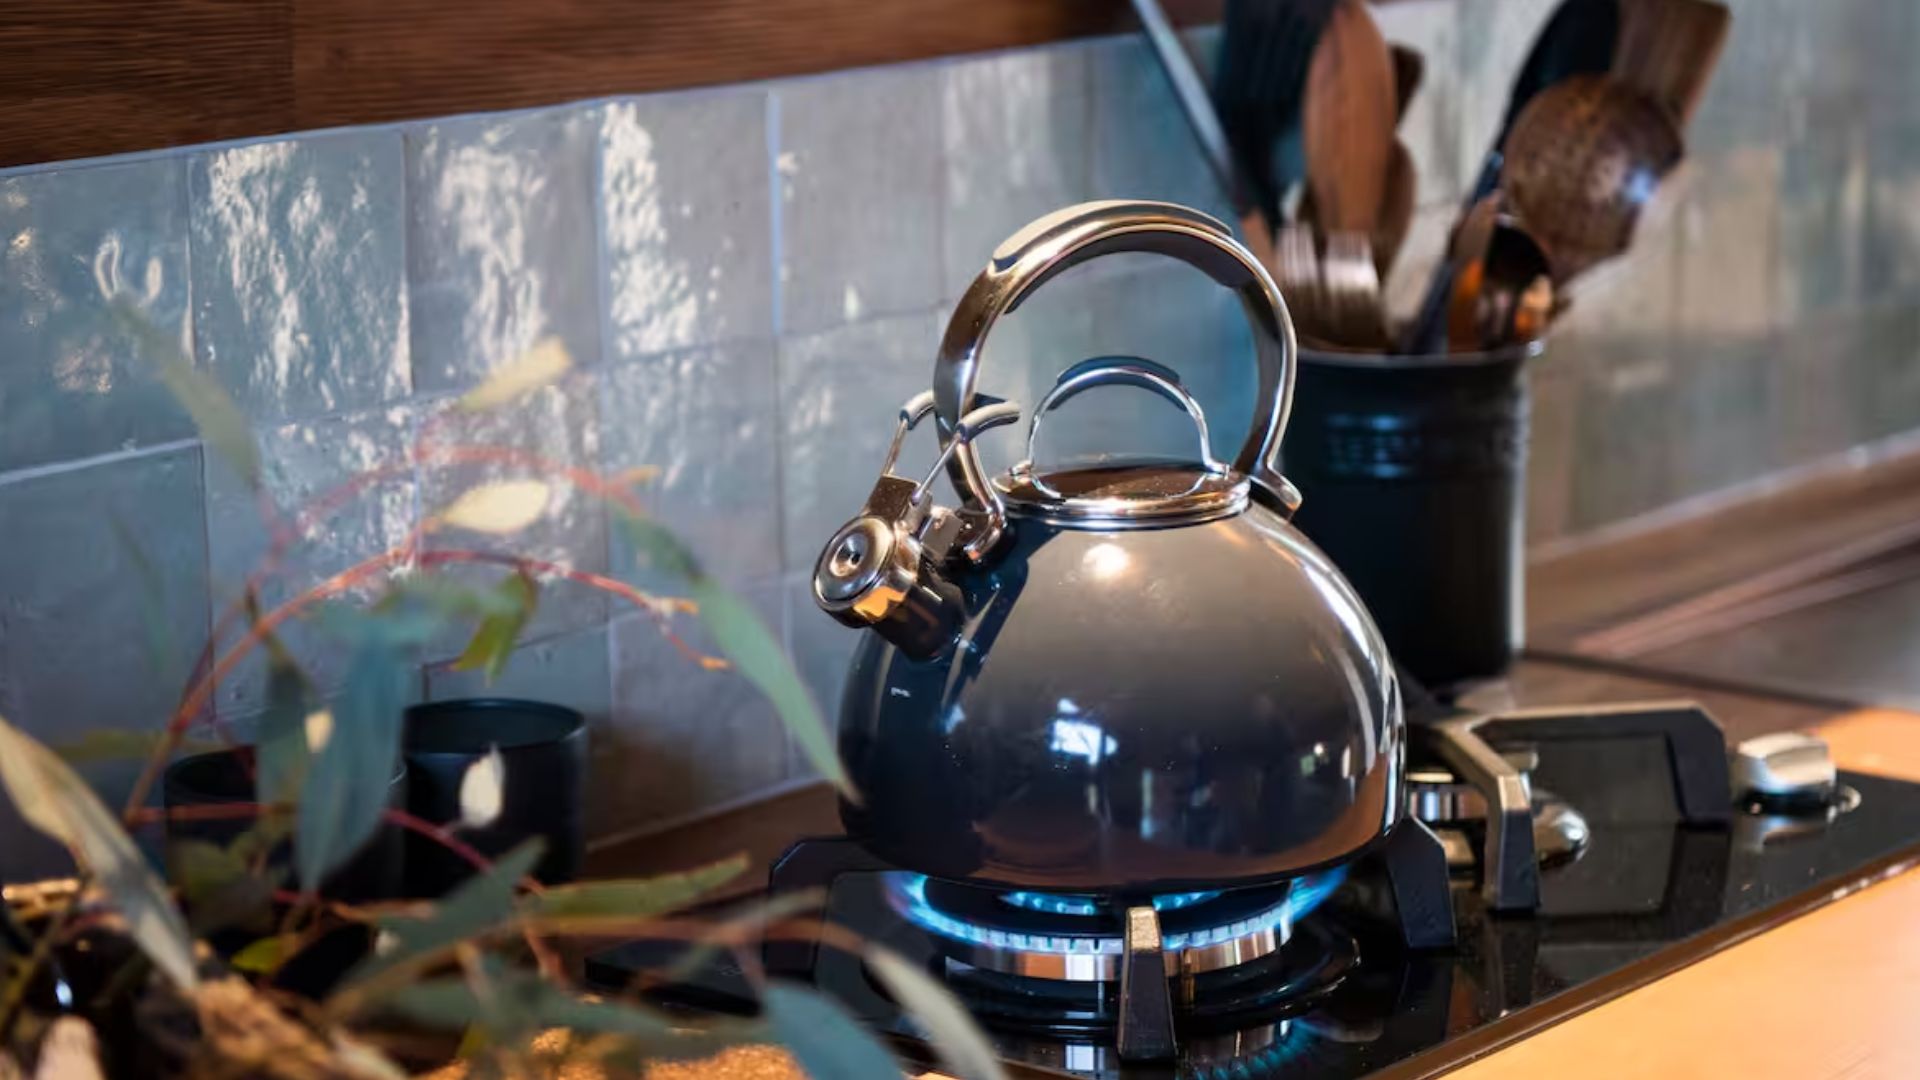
[1066,904]
[1078,938]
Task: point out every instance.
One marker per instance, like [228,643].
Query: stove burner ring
[1079,939]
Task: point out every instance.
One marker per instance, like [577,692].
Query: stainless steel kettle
[1125,677]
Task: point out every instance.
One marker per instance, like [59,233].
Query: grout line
[57,468]
[771,113]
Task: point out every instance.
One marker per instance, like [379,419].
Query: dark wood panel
[87,77]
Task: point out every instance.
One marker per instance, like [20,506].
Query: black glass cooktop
[1644,898]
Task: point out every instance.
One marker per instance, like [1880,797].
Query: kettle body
[1124,678]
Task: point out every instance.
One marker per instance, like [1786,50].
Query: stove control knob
[1787,767]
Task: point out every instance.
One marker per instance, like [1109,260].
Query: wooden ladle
[1584,158]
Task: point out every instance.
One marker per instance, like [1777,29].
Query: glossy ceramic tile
[537,437]
[840,393]
[1553,389]
[299,289]
[1756,80]
[1017,133]
[501,246]
[311,468]
[1430,127]
[1883,373]
[1728,221]
[1823,210]
[681,739]
[74,381]
[571,670]
[860,174]
[1891,259]
[1622,464]
[706,419]
[103,602]
[1724,413]
[1143,146]
[684,181]
[1494,38]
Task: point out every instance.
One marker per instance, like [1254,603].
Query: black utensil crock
[543,748]
[1412,475]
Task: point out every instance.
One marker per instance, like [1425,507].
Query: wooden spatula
[1668,49]
[1348,121]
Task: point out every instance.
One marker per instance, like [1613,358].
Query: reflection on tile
[707,420]
[539,436]
[305,465]
[1892,255]
[681,738]
[1728,224]
[821,649]
[1724,413]
[684,183]
[570,670]
[74,383]
[1823,209]
[103,605]
[1016,126]
[500,241]
[1814,356]
[1143,147]
[859,174]
[1622,461]
[1430,127]
[299,293]
[840,393]
[1553,387]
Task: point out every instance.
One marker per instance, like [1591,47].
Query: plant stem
[16,992]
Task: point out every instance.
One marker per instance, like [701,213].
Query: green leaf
[221,424]
[281,756]
[118,744]
[446,596]
[826,1041]
[493,640]
[53,799]
[346,789]
[745,641]
[663,550]
[962,1047]
[512,1006]
[757,655]
[478,905]
[260,958]
[636,898]
[216,885]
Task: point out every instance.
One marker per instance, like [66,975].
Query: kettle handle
[1068,237]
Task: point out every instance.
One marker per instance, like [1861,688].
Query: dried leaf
[53,799]
[500,508]
[260,958]
[220,422]
[962,1047]
[531,370]
[636,898]
[478,905]
[346,788]
[826,1041]
[482,789]
[493,640]
[69,1051]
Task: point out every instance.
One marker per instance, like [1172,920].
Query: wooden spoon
[1584,158]
[1668,49]
[1348,121]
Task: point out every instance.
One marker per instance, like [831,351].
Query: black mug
[543,751]
[225,777]
[1412,478]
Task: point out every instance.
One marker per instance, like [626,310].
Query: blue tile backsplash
[750,280]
